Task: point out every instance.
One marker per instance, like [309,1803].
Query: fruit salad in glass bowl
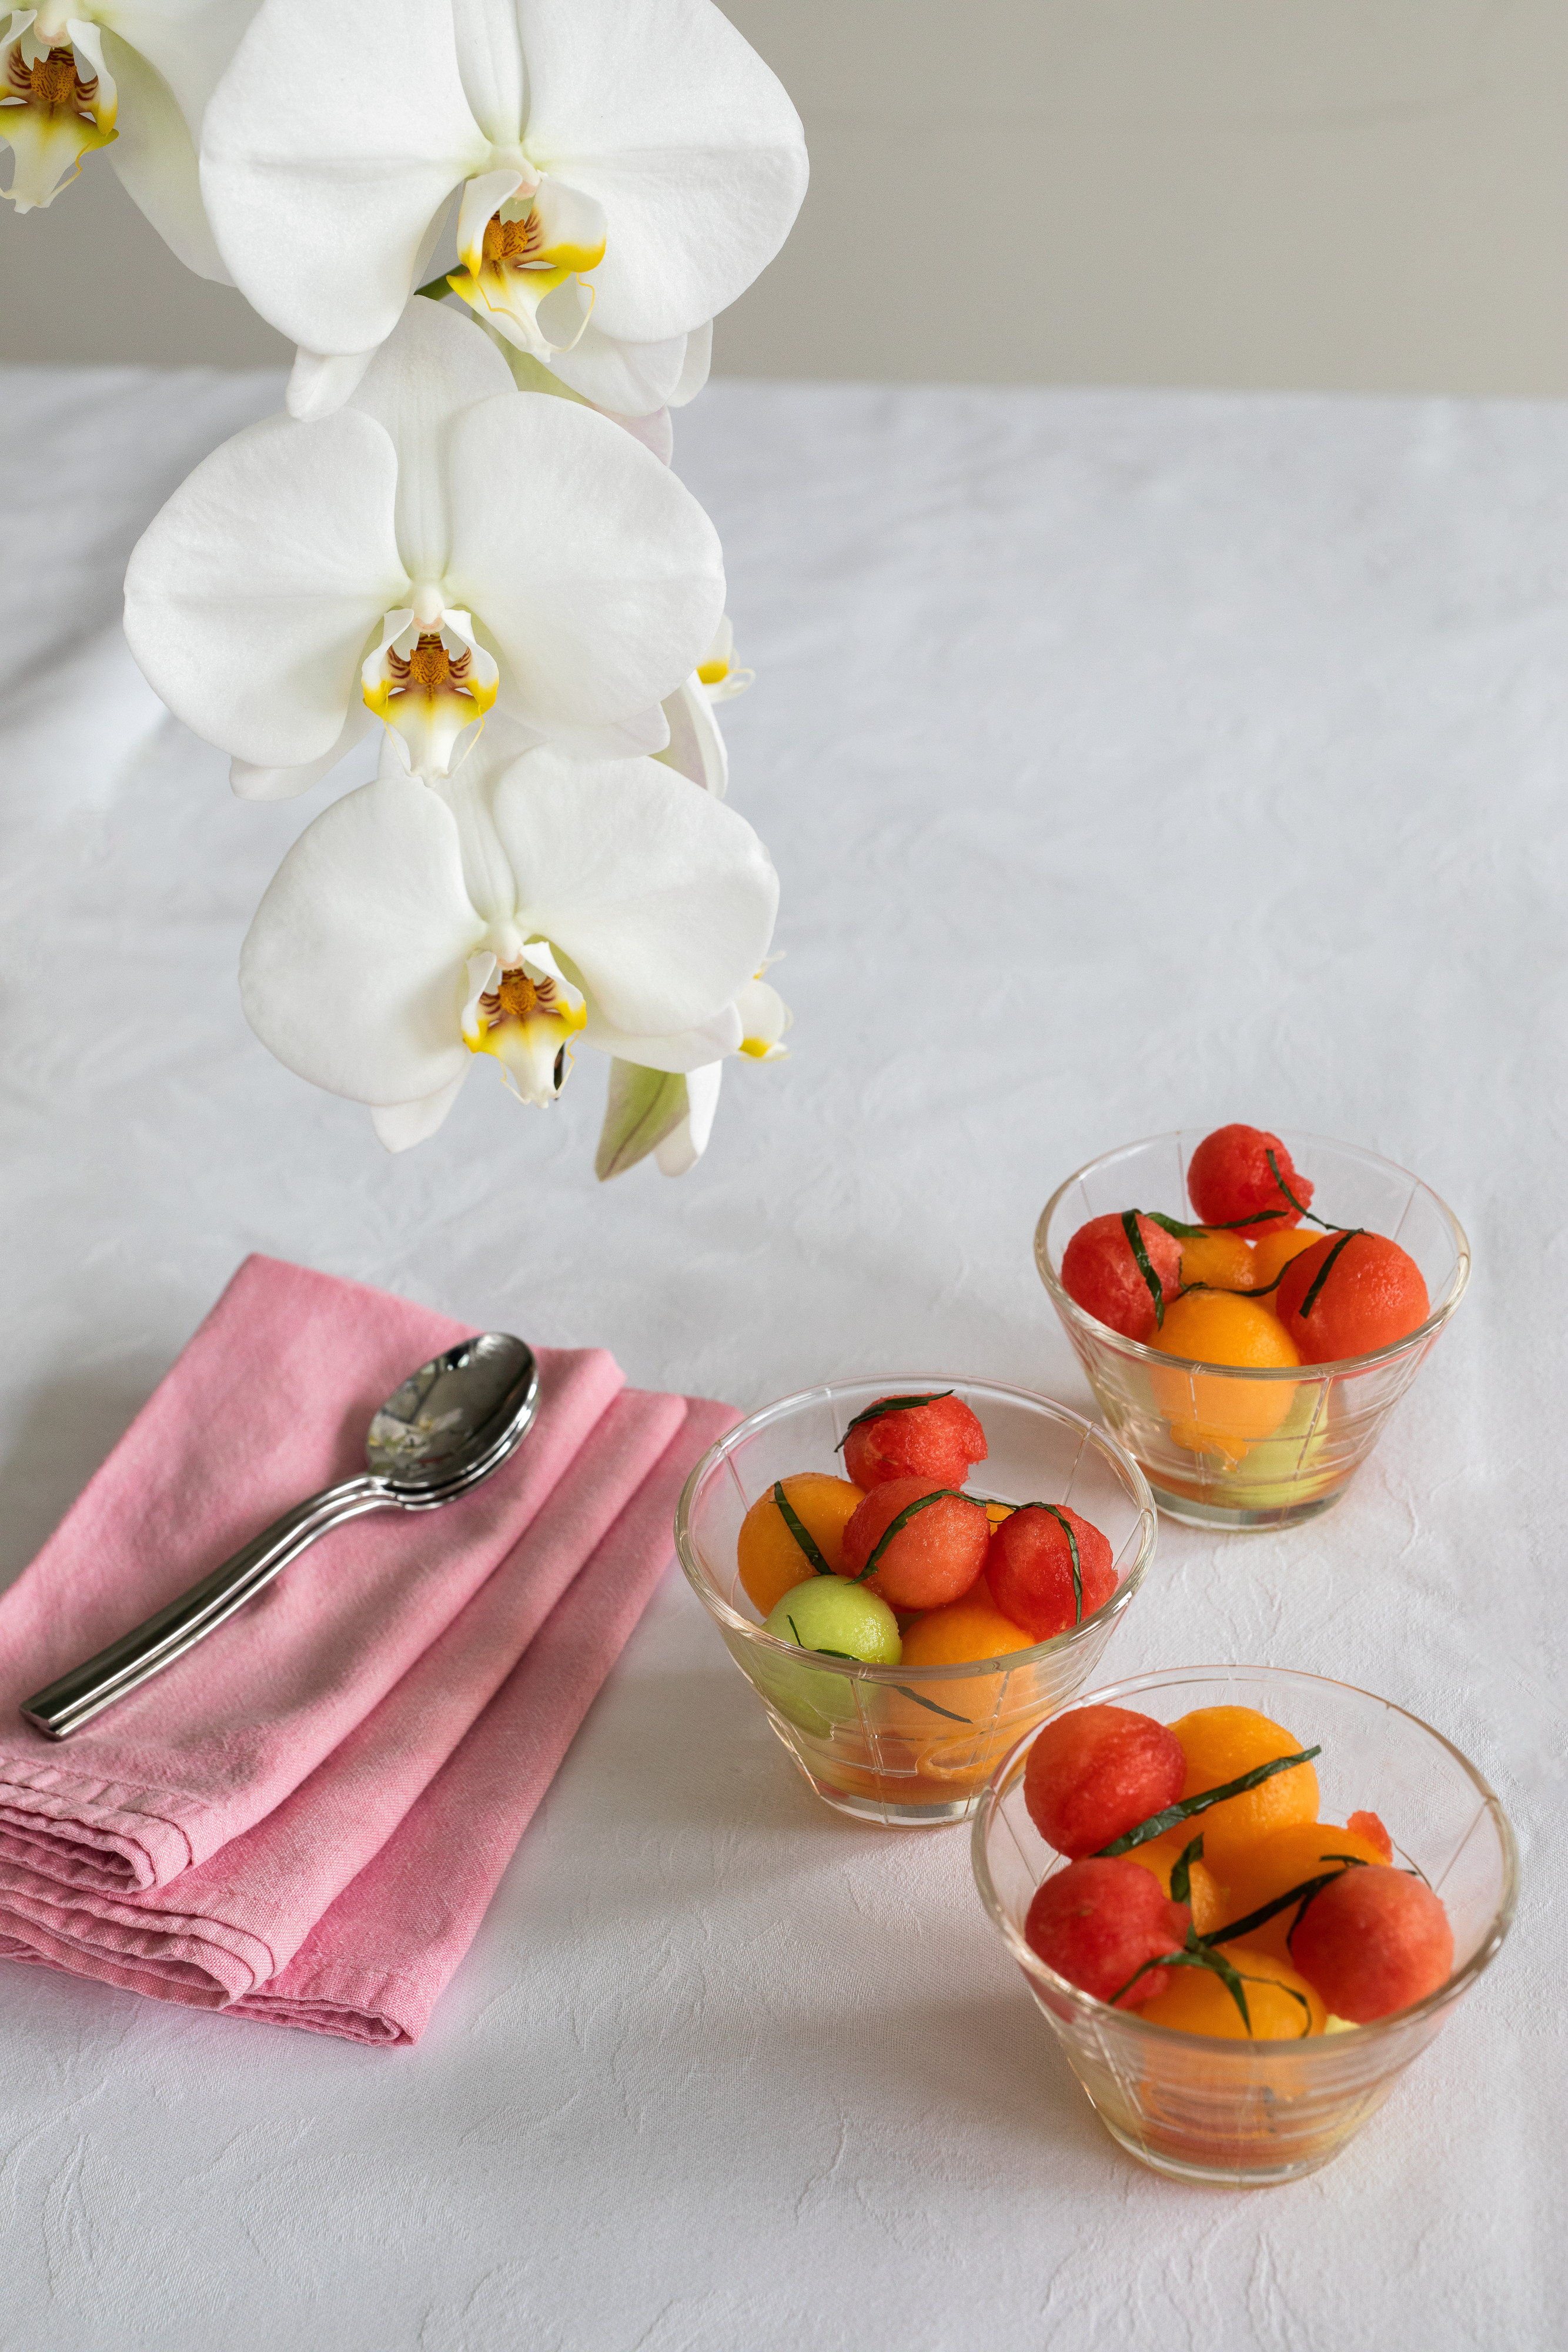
[1244,1899]
[1248,1307]
[910,1572]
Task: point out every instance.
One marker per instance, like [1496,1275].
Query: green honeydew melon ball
[846,1621]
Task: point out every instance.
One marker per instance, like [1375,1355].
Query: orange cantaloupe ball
[1205,1893]
[1220,1744]
[1284,1858]
[1223,1260]
[971,1628]
[770,1561]
[1208,1412]
[1195,2000]
[1273,1253]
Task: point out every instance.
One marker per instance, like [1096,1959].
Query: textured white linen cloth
[1131,761]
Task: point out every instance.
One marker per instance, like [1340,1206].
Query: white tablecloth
[1131,761]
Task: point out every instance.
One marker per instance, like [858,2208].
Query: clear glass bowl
[1263,1448]
[1252,2113]
[908,1746]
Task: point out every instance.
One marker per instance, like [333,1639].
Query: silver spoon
[447,1427]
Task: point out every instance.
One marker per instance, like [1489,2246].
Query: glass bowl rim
[967,1669]
[1075,1315]
[1084,2006]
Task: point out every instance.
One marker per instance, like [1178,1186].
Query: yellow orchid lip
[432,691]
[535,241]
[526,1020]
[51,115]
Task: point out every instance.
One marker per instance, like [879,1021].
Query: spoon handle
[74,1697]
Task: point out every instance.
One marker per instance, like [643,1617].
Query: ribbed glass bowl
[911,1746]
[1319,1421]
[1249,2113]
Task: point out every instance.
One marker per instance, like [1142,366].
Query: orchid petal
[681,1150]
[250,598]
[595,572]
[334,136]
[624,379]
[666,115]
[400,1125]
[253,784]
[351,972]
[490,62]
[434,367]
[661,900]
[696,366]
[764,1019]
[682,1050]
[154,159]
[696,748]
[320,381]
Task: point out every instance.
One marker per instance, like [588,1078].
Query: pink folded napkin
[304,1818]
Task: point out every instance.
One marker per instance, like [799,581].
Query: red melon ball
[1097,1922]
[1229,1177]
[1374,1293]
[1095,1774]
[935,1558]
[1374,1941]
[1100,1273]
[940,1441]
[1029,1569]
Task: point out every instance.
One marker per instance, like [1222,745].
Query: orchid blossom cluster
[462,533]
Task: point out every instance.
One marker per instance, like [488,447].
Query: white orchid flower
[443,544]
[656,1107]
[697,747]
[626,168]
[133,76]
[410,930]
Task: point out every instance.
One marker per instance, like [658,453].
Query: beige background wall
[1358,194]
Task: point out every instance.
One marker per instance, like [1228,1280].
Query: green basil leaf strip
[1235,1928]
[800,1530]
[821,1654]
[1145,1268]
[891,1404]
[1181,1872]
[1347,1233]
[1173,1816]
[1223,1290]
[1215,1962]
[1059,1513]
[1180,1233]
[896,1526]
[1229,1978]
[905,1692]
[1300,1207]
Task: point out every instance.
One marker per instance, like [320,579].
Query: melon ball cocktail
[1249,1308]
[911,1572]
[1245,1900]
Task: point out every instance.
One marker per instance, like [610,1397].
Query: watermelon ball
[1229,1177]
[1370,1827]
[1374,1295]
[1373,1942]
[1097,1922]
[935,1557]
[1095,1774]
[845,1621]
[939,1439]
[1100,1273]
[1029,1569]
